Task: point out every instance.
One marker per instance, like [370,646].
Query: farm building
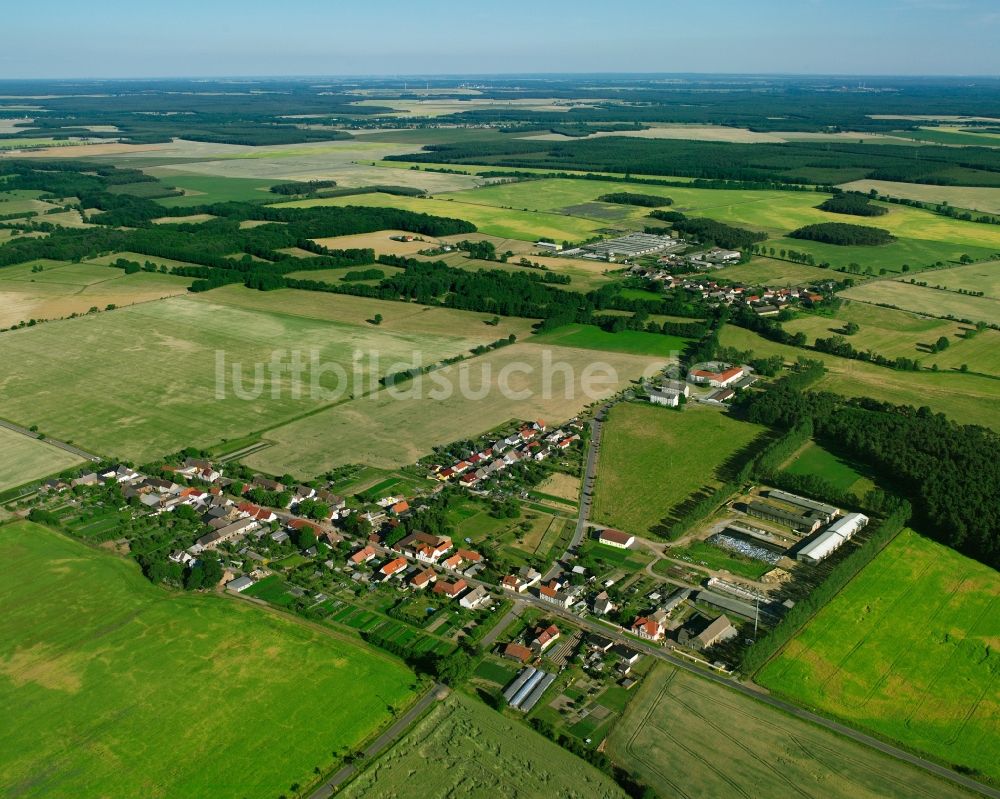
[829,511]
[616,538]
[772,513]
[832,538]
[664,397]
[630,246]
[722,379]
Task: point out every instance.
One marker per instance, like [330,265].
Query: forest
[853,203]
[843,234]
[710,231]
[632,198]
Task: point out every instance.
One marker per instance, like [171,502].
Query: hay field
[699,740]
[635,342]
[114,687]
[973,197]
[385,431]
[26,459]
[463,748]
[562,485]
[653,459]
[773,272]
[64,288]
[984,277]
[907,650]
[142,381]
[488,218]
[928,300]
[967,399]
[379,241]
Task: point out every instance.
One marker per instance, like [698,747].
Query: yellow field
[562,485]
[382,430]
[928,300]
[973,197]
[379,241]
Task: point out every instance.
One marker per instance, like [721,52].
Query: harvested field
[380,241]
[973,197]
[928,300]
[26,459]
[560,484]
[773,272]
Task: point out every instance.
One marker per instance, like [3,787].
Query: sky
[205,38]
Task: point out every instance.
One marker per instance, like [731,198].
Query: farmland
[653,459]
[906,650]
[975,197]
[25,459]
[634,342]
[928,300]
[966,398]
[383,431]
[463,748]
[168,351]
[90,651]
[64,288]
[815,460]
[983,277]
[773,272]
[679,728]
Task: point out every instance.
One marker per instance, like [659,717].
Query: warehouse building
[804,522]
[829,511]
[831,539]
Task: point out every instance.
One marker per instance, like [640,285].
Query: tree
[941,344]
[377,319]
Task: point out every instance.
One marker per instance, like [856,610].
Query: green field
[713,557]
[634,342]
[927,300]
[773,272]
[907,650]
[391,428]
[149,386]
[26,459]
[692,738]
[968,399]
[815,460]
[462,748]
[63,288]
[984,277]
[975,197]
[653,459]
[113,687]
[208,189]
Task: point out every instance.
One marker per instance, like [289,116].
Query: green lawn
[653,459]
[634,342]
[815,460]
[463,748]
[25,459]
[907,650]
[113,687]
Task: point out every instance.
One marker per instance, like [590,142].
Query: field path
[54,442]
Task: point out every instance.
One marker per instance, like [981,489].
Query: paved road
[54,442]
[400,726]
[490,638]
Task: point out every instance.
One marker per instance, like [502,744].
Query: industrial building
[631,246]
[831,539]
[829,511]
[804,522]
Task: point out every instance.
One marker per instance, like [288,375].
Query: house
[603,604]
[671,399]
[647,628]
[256,512]
[393,567]
[240,584]
[335,502]
[363,555]
[720,396]
[450,590]
[123,474]
[626,654]
[424,547]
[453,562]
[719,630]
[423,579]
[675,599]
[553,596]
[302,524]
[89,479]
[616,538]
[259,481]
[522,581]
[599,642]
[399,508]
[517,652]
[227,533]
[476,598]
[544,637]
[469,555]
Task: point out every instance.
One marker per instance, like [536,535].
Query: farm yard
[26,459]
[927,300]
[179,339]
[62,288]
[383,431]
[679,728]
[907,650]
[462,747]
[81,666]
[653,459]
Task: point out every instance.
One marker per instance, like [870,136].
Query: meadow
[773,272]
[64,288]
[150,384]
[908,651]
[26,459]
[977,198]
[653,459]
[385,431]
[966,398]
[634,342]
[984,277]
[928,300]
[679,728]
[815,460]
[463,748]
[114,687]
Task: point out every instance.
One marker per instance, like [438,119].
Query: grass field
[25,459]
[974,197]
[984,277]
[713,557]
[815,460]
[463,748]
[887,331]
[968,399]
[907,650]
[504,222]
[927,300]
[385,431]
[679,728]
[65,288]
[653,459]
[150,383]
[113,687]
[773,272]
[634,342]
